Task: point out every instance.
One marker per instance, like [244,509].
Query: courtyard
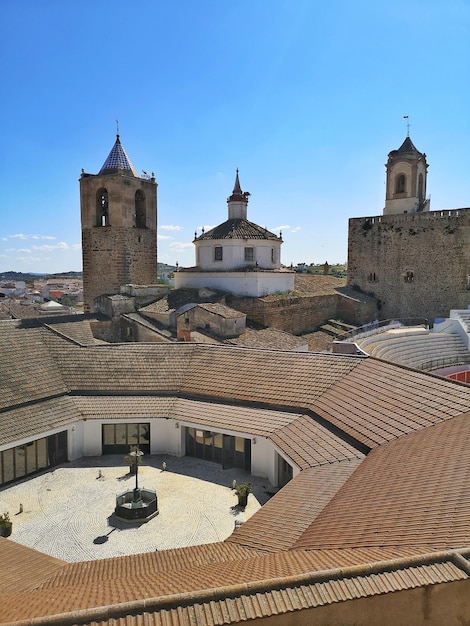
[67,512]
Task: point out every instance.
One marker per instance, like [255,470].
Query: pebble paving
[68,512]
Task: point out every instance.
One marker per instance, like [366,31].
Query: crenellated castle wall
[417,265]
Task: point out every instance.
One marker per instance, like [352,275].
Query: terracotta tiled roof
[221,309]
[282,520]
[238,229]
[37,418]
[180,297]
[409,495]
[217,371]
[378,401]
[10,309]
[272,378]
[121,368]
[23,568]
[216,592]
[250,420]
[368,400]
[305,448]
[31,374]
[307,443]
[298,437]
[409,492]
[268,338]
[77,330]
[124,407]
[173,571]
[146,564]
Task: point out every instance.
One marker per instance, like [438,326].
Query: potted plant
[5,525]
[242,492]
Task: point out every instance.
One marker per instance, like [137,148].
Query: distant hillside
[30,277]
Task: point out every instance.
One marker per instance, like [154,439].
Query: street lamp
[136,455]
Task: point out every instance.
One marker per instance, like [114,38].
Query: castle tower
[406,180]
[119,227]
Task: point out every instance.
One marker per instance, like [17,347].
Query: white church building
[238,256]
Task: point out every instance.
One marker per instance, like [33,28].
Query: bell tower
[406,180]
[119,227]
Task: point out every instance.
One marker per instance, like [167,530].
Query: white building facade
[238,256]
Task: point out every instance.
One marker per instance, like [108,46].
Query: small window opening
[400,184]
[249,254]
[102,215]
[409,277]
[420,188]
[140,209]
[218,253]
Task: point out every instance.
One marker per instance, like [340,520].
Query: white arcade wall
[167,436]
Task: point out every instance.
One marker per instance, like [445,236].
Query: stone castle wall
[298,315]
[417,265]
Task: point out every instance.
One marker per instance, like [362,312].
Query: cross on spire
[405,117]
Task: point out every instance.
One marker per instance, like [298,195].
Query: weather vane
[405,117]
[117,127]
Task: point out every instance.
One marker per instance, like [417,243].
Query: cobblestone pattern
[68,512]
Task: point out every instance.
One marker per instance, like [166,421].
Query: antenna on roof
[405,117]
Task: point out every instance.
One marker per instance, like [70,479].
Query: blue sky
[306,98]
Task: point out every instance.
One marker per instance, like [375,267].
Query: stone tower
[406,180]
[414,261]
[119,227]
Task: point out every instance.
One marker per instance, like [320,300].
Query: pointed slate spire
[408,147]
[118,160]
[238,201]
[237,193]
